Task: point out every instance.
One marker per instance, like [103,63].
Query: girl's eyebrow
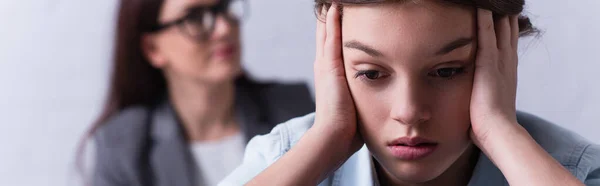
[363,47]
[456,44]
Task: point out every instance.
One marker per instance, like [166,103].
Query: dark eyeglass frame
[216,10]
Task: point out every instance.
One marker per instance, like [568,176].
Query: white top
[217,159]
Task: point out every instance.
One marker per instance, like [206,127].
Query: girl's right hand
[335,113]
[333,138]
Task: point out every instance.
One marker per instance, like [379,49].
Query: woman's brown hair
[499,8]
[133,80]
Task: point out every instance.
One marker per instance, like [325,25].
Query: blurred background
[55,57]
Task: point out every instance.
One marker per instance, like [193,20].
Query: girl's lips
[414,148]
[412,152]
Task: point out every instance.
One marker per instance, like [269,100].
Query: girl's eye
[447,72]
[369,74]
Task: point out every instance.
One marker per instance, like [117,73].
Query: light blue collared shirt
[576,154]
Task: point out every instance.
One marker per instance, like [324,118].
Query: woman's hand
[493,112]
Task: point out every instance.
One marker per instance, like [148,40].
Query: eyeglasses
[199,22]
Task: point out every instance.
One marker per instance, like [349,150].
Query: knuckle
[489,54]
[487,27]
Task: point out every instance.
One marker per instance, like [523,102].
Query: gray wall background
[54,57]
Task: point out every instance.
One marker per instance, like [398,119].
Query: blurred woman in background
[180,109]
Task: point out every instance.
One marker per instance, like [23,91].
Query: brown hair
[499,8]
[133,80]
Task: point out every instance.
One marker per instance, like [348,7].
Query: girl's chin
[413,172]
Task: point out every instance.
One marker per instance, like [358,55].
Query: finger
[333,48]
[320,34]
[485,29]
[514,25]
[503,33]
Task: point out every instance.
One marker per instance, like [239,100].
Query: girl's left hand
[493,98]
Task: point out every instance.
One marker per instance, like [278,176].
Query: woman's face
[410,70]
[214,59]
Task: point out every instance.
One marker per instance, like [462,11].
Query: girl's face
[213,59]
[410,71]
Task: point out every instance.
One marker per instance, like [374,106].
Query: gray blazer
[146,146]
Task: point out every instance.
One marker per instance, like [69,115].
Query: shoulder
[118,143]
[282,137]
[264,150]
[574,152]
[122,128]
